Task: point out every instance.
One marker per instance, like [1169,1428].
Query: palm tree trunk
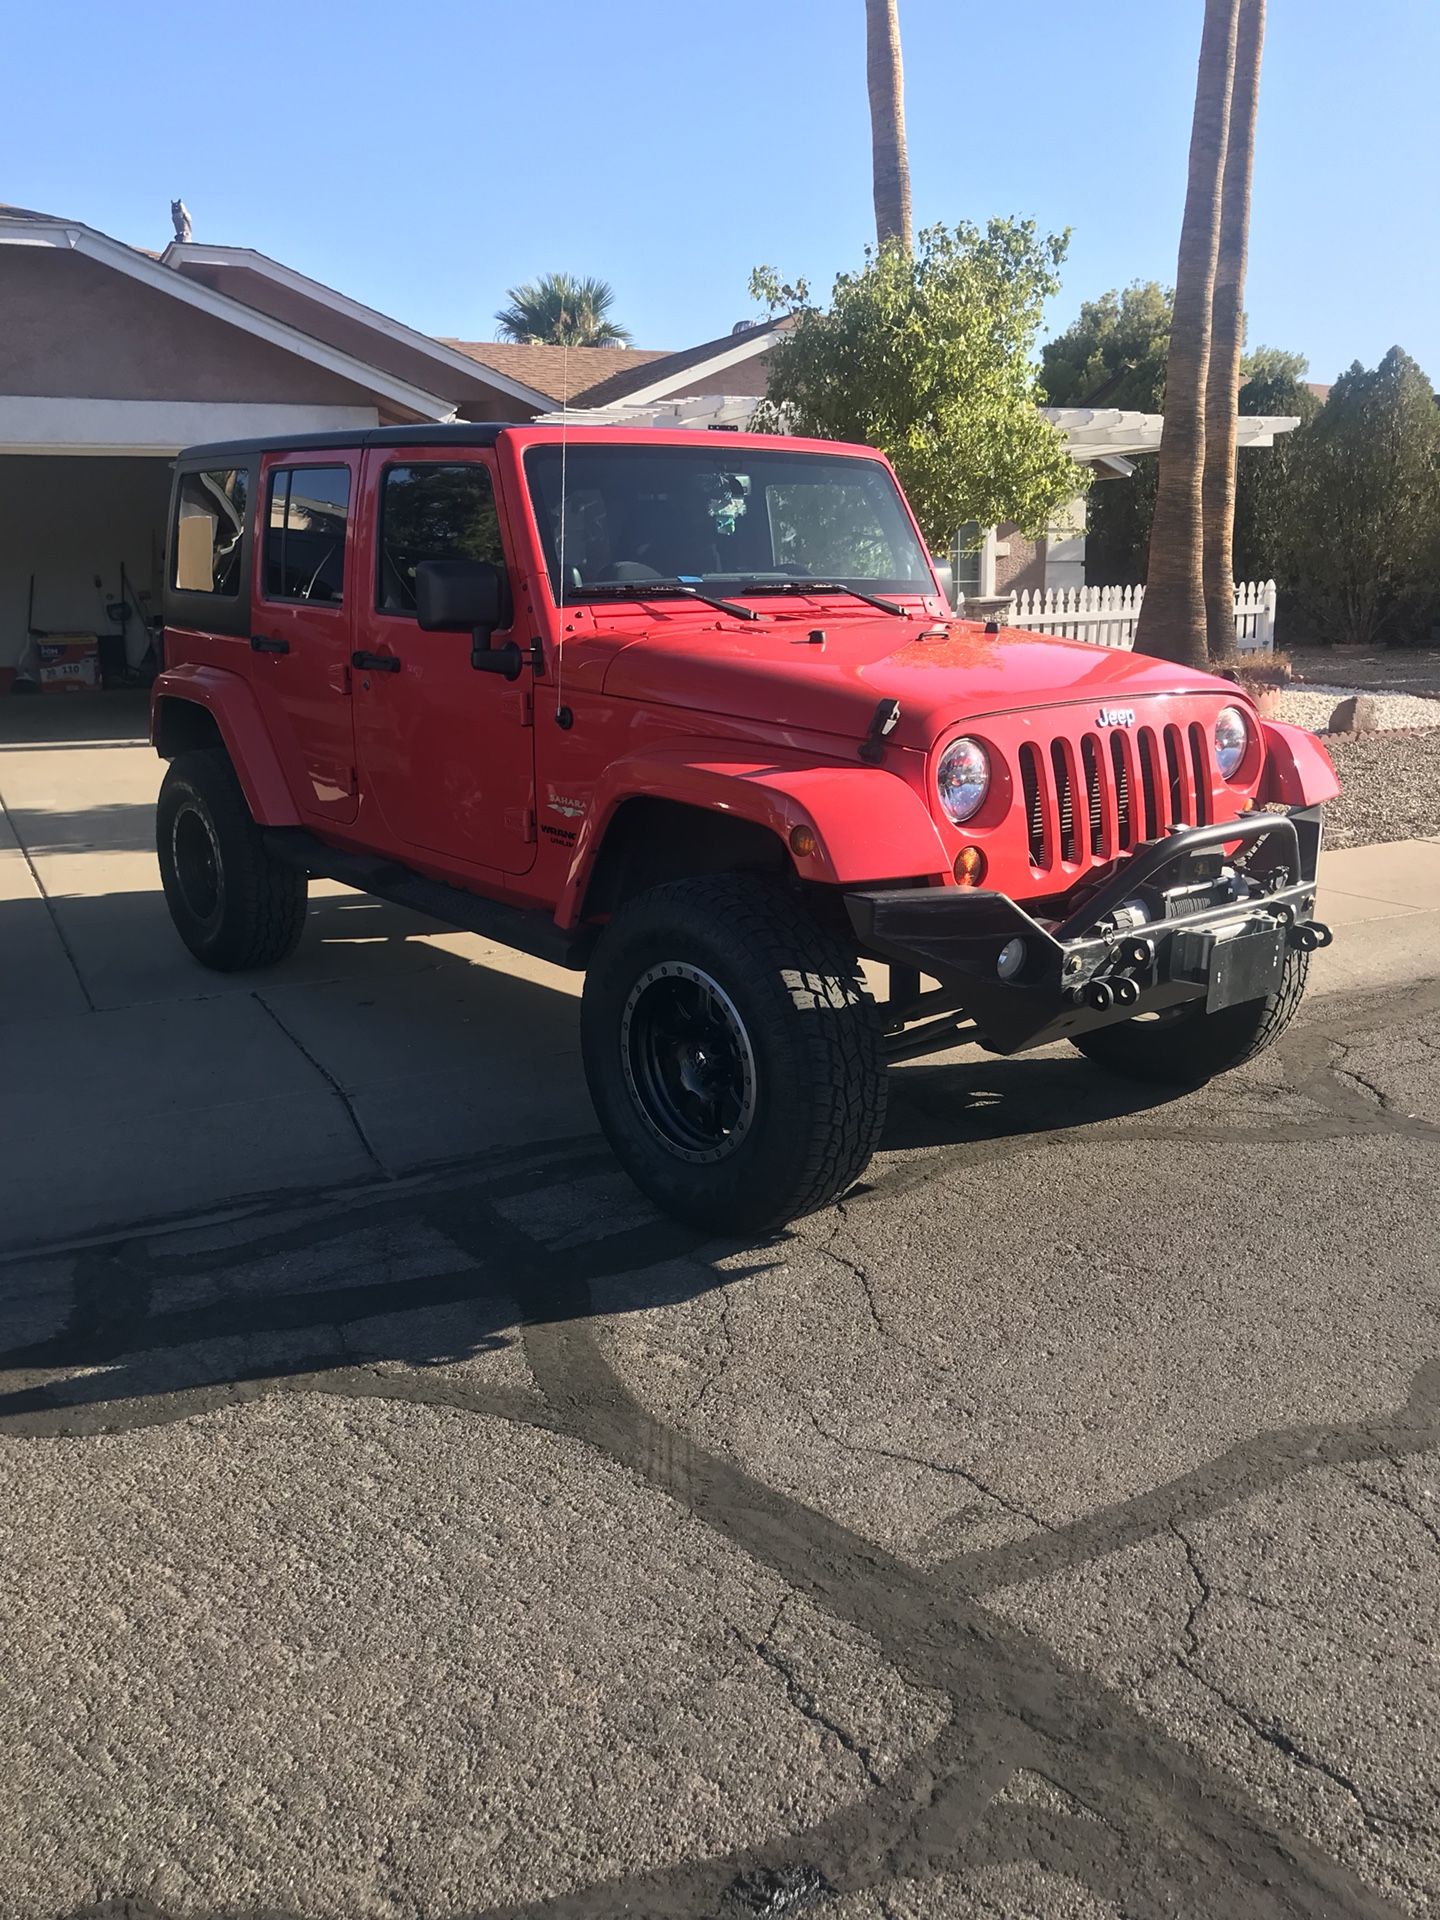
[1227,329]
[1172,619]
[886,80]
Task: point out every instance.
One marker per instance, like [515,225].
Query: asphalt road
[1051,1530]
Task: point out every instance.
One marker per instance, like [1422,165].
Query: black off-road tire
[1192,1046]
[817,1092]
[234,906]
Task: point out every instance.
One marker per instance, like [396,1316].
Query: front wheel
[733,1053]
[1188,1046]
[232,904]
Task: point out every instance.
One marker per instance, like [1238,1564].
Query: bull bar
[1203,913]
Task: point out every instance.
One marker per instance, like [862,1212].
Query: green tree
[1272,363]
[1361,514]
[930,359]
[1262,475]
[559,310]
[1113,355]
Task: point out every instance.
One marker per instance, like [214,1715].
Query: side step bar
[527,929]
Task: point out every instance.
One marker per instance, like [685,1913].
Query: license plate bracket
[1233,968]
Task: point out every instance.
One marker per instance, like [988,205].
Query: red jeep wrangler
[690,711]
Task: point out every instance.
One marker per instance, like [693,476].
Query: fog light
[1010,959]
[969,867]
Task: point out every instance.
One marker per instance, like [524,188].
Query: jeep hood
[776,674]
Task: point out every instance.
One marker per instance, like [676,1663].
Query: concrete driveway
[1049,1530]
[388,1042]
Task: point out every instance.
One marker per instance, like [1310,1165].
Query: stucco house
[113,358]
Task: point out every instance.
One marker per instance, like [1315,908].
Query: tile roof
[545,368]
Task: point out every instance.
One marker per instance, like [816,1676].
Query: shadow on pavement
[367,1276]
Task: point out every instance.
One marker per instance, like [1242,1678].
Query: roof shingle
[549,369]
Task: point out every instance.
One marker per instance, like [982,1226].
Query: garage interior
[80,566]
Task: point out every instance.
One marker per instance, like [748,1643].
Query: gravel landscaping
[1311,706]
[1390,779]
[1370,669]
[1390,787]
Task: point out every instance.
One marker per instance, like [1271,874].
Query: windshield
[756,522]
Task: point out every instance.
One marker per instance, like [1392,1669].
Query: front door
[300,625]
[446,753]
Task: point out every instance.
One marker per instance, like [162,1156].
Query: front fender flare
[231,703]
[868,823]
[1298,770]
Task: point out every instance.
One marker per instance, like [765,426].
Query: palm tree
[1227,336]
[559,310]
[886,81]
[1172,619]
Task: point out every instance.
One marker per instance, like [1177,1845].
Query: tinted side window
[305,533]
[209,529]
[432,513]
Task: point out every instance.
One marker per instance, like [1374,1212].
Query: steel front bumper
[1205,914]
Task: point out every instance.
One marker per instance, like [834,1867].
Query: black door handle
[375,662]
[259,643]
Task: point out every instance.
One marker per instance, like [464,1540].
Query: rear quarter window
[209,531]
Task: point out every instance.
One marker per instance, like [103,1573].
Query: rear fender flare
[867,823]
[1298,770]
[230,701]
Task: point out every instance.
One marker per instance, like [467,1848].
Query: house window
[210,530]
[966,558]
[305,534]
[433,513]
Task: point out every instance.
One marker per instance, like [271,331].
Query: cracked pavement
[1050,1530]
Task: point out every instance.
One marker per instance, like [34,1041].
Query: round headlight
[1232,740]
[962,779]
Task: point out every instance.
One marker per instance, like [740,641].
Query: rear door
[446,753]
[300,624]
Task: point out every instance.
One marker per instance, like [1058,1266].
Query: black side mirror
[945,574]
[458,596]
[461,596]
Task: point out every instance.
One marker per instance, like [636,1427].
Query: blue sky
[425,157]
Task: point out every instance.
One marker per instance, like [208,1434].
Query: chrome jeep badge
[1116,717]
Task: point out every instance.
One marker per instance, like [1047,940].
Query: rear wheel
[1188,1046]
[232,904]
[733,1053]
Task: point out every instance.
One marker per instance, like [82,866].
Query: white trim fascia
[55,424]
[990,548]
[316,290]
[744,348]
[139,266]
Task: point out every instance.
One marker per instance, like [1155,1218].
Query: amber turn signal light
[803,841]
[969,867]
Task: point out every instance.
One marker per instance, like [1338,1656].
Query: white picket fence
[1107,615]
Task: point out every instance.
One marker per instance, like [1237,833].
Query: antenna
[560,597]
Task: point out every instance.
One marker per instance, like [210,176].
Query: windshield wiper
[653,589]
[804,584]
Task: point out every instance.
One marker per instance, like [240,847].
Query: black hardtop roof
[462,433]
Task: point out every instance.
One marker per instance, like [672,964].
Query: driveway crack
[803,1700]
[971,1479]
[334,1085]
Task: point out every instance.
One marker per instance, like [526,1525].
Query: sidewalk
[133,1084]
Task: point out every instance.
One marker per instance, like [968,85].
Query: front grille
[1088,799]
